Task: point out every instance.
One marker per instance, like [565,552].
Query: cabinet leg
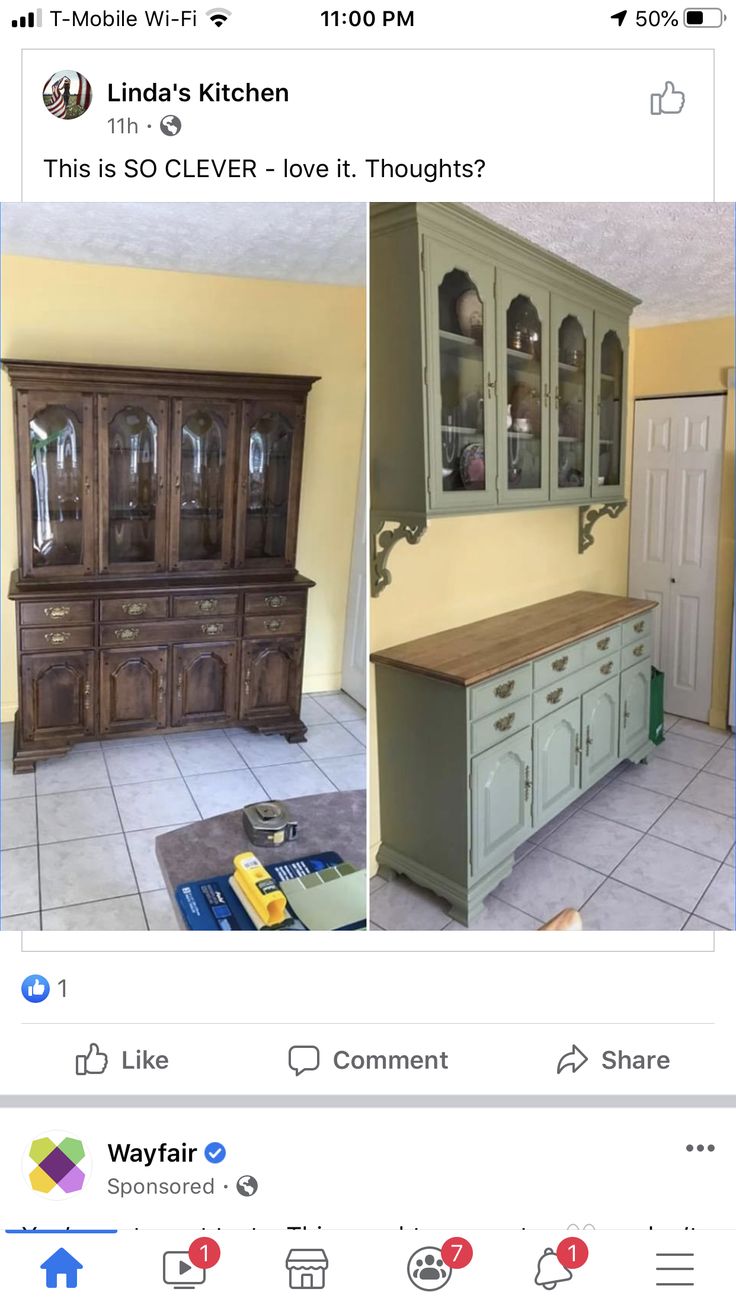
[387,873]
[296,737]
[461,913]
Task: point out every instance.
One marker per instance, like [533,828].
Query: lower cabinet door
[600,731]
[58,692]
[272,676]
[635,688]
[501,785]
[133,690]
[205,683]
[556,762]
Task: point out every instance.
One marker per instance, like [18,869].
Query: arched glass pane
[269,477]
[133,456]
[203,489]
[572,363]
[461,383]
[611,410]
[524,395]
[56,472]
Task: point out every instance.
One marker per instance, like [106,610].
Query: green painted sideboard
[486,732]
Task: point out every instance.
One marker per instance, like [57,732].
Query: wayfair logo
[53,1166]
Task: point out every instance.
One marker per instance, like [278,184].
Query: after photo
[552,518]
[183,517]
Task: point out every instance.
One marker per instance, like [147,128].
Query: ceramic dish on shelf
[472,466]
[469,310]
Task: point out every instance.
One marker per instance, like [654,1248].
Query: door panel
[56,474]
[571,415]
[271,675]
[501,801]
[609,415]
[556,762]
[600,728]
[676,488]
[133,449]
[635,689]
[202,484]
[269,477]
[205,683]
[133,690]
[461,377]
[523,316]
[58,695]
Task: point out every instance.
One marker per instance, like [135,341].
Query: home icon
[307,1269]
[61,1264]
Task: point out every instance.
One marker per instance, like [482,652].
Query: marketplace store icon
[67,94]
[53,1165]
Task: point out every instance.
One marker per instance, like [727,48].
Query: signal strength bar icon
[28,20]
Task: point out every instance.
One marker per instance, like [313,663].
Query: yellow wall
[682,359]
[90,313]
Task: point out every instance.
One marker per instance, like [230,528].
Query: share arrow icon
[620,16]
[574,1059]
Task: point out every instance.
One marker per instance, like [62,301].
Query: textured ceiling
[677,258]
[283,242]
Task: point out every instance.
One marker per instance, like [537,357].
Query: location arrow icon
[620,16]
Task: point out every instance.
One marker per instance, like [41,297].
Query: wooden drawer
[640,626]
[499,726]
[507,689]
[639,649]
[557,695]
[33,640]
[52,612]
[595,673]
[141,606]
[205,606]
[605,642]
[273,600]
[560,664]
[165,633]
[278,624]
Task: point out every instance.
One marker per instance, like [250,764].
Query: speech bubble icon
[303,1058]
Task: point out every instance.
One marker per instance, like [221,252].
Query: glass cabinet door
[203,455]
[270,453]
[608,471]
[132,452]
[572,410]
[524,401]
[461,378]
[57,483]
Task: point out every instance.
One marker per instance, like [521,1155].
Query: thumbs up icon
[92,1063]
[669,101]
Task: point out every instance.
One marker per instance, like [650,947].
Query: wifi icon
[218,16]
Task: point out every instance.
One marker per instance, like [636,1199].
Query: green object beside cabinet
[487,732]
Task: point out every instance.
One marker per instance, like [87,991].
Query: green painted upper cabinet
[524,395]
[461,377]
[498,370]
[571,417]
[609,416]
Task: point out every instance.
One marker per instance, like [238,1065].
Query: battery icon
[703,17]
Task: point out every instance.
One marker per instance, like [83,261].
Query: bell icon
[550,1271]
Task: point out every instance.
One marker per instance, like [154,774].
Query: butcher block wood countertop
[469,654]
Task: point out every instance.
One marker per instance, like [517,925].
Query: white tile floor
[78,837]
[650,848]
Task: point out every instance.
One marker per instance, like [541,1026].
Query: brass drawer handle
[639,627]
[503,724]
[588,741]
[555,695]
[273,624]
[627,715]
[162,689]
[275,601]
[127,633]
[559,665]
[607,667]
[578,750]
[87,691]
[603,644]
[527,782]
[57,611]
[639,650]
[133,608]
[206,605]
[504,690]
[212,628]
[57,637]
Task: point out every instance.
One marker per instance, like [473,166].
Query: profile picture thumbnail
[67,94]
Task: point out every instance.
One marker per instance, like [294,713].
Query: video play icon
[179,1271]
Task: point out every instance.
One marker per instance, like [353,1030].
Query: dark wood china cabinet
[158,519]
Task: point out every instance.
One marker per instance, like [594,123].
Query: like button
[93,1063]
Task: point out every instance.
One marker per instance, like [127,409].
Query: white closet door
[675,503]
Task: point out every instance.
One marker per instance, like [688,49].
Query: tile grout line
[127,848]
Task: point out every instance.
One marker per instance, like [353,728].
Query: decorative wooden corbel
[588,517]
[382,543]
